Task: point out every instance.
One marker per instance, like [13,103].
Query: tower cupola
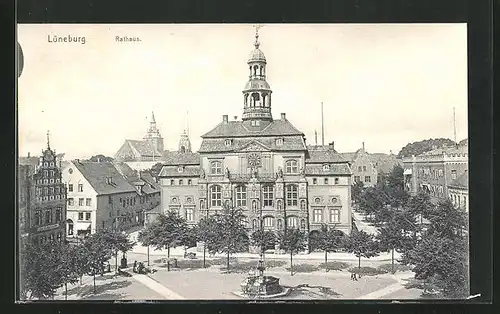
[257,92]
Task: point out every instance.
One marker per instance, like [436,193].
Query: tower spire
[257,43]
[153,117]
[48,139]
[315,137]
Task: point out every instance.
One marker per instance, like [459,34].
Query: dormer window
[326,167]
[227,142]
[180,169]
[279,141]
[255,123]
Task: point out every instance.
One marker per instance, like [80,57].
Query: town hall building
[262,165]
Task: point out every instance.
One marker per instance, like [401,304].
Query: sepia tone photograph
[242,162]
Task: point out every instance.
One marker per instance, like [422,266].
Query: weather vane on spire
[48,139]
[257,27]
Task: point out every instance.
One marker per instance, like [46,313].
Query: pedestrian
[355,277]
[134,269]
[352,276]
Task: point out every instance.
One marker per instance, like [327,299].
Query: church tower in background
[153,135]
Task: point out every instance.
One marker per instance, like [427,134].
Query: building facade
[105,195]
[42,199]
[433,171]
[261,165]
[459,191]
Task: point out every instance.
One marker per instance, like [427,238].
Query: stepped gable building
[105,195]
[433,171]
[261,165]
[143,154]
[42,198]
[368,167]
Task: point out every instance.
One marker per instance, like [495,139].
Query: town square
[321,177]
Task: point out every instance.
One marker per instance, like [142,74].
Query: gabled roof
[334,169]
[290,143]
[322,154]
[233,129]
[178,158]
[349,156]
[96,173]
[462,182]
[143,148]
[172,171]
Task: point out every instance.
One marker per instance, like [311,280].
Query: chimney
[332,146]
[224,118]
[28,154]
[283,116]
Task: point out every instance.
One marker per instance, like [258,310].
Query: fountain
[259,286]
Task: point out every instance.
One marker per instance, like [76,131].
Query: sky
[382,84]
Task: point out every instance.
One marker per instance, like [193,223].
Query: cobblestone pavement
[109,287]
[211,284]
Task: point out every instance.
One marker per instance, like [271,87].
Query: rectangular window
[292,195]
[80,201]
[360,168]
[172,182]
[292,222]
[80,216]
[70,187]
[453,174]
[189,214]
[110,200]
[356,178]
[87,216]
[88,202]
[180,182]
[336,180]
[241,196]
[318,215]
[38,218]
[189,182]
[364,168]
[368,179]
[80,187]
[315,181]
[71,201]
[216,167]
[268,195]
[334,215]
[58,214]
[326,180]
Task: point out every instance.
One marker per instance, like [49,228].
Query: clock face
[254,160]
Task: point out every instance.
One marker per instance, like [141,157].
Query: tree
[329,240]
[417,148]
[117,242]
[67,267]
[190,237]
[361,244]
[81,260]
[419,205]
[230,232]
[167,231]
[440,258]
[264,239]
[293,241]
[207,233]
[372,200]
[395,179]
[356,190]
[41,277]
[145,237]
[99,253]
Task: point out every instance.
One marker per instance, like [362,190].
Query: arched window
[183,149]
[37,218]
[215,195]
[268,192]
[241,195]
[279,223]
[216,167]
[291,166]
[254,224]
[58,214]
[268,221]
[303,204]
[302,224]
[70,227]
[291,195]
[202,204]
[48,217]
[279,204]
[254,205]
[255,67]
